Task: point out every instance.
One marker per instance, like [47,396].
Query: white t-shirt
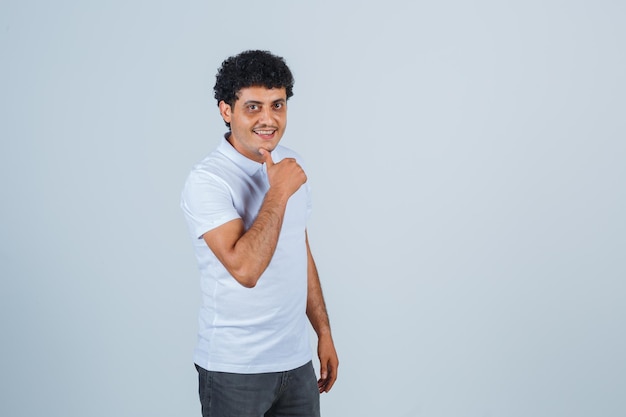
[248,330]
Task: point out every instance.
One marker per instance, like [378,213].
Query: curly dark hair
[251,69]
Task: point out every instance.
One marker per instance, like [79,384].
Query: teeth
[264,132]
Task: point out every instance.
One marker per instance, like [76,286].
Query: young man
[247,204]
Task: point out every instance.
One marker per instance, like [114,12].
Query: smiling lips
[265,133]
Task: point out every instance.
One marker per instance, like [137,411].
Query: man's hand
[329,362]
[286,176]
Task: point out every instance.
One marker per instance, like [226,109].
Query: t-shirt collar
[249,166]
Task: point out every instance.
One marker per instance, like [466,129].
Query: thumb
[267,156]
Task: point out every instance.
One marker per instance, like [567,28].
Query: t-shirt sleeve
[207,203]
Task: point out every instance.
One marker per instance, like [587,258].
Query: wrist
[276,195]
[324,333]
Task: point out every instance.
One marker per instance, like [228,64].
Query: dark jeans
[277,394]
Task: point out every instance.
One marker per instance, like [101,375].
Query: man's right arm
[246,254]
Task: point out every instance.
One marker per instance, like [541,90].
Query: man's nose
[266,114]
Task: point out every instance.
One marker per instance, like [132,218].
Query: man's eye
[253,107]
[278,106]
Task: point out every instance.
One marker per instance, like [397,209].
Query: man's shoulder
[214,162]
[214,168]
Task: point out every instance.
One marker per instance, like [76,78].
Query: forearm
[317,314]
[316,306]
[256,247]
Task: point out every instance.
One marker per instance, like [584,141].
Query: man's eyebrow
[280,100]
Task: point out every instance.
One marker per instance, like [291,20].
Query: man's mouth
[265,133]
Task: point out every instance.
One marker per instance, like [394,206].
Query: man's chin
[266,147]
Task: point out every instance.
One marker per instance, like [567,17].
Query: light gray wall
[468,166]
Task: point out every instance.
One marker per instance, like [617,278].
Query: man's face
[257,120]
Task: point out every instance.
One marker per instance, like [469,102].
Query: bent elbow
[248,283]
[247,279]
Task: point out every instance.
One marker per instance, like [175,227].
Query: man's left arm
[318,316]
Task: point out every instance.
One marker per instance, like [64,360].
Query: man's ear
[225,111]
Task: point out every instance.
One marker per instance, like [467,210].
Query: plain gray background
[468,167]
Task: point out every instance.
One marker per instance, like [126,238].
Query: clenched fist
[286,176]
